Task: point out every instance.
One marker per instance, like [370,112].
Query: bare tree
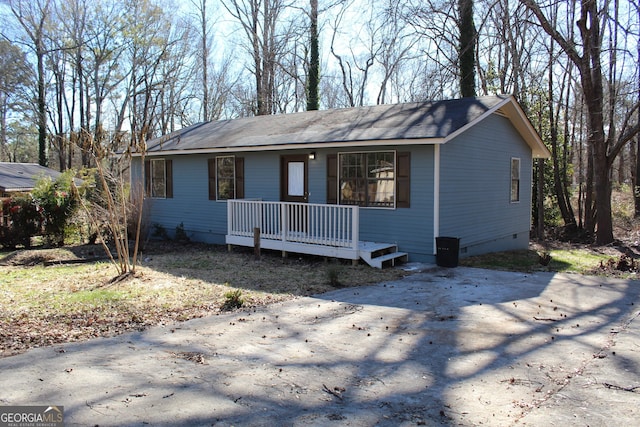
[147,49]
[554,104]
[266,42]
[14,79]
[505,58]
[33,16]
[176,76]
[103,54]
[59,141]
[587,55]
[357,58]
[73,17]
[205,53]
[436,22]
[212,73]
[398,44]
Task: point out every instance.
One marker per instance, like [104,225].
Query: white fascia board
[480,118]
[523,125]
[510,108]
[301,146]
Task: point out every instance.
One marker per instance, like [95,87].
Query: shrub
[23,221]
[232,300]
[333,276]
[181,234]
[160,232]
[57,203]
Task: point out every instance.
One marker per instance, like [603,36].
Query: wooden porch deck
[315,229]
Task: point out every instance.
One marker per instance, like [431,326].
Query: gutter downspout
[436,194]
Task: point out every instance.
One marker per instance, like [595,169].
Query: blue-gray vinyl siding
[206,220]
[474,193]
[410,228]
[203,219]
[475,187]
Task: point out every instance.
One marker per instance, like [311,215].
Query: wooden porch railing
[297,223]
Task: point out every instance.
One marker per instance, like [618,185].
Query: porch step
[380,255]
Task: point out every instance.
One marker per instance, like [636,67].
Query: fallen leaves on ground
[43,305]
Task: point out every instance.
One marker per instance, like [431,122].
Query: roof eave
[524,126]
[16,190]
[299,146]
[510,107]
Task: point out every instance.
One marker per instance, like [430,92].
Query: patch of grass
[96,297]
[576,260]
[510,260]
[581,261]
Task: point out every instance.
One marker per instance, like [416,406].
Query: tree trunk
[636,181]
[567,156]
[540,200]
[592,86]
[636,192]
[60,139]
[43,159]
[589,194]
[604,222]
[205,60]
[558,181]
[466,49]
[313,102]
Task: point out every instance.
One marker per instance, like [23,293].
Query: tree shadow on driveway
[449,347]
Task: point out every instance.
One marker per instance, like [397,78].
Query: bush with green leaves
[57,202]
[23,220]
[232,300]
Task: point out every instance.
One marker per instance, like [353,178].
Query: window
[515,179]
[158,178]
[367,179]
[226,178]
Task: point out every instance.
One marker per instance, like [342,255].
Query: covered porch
[309,228]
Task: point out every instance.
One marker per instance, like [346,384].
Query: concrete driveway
[441,347]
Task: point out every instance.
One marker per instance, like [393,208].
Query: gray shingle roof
[23,176]
[380,123]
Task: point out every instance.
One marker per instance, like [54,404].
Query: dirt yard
[52,296]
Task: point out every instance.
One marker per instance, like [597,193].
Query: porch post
[284,226]
[229,216]
[355,232]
